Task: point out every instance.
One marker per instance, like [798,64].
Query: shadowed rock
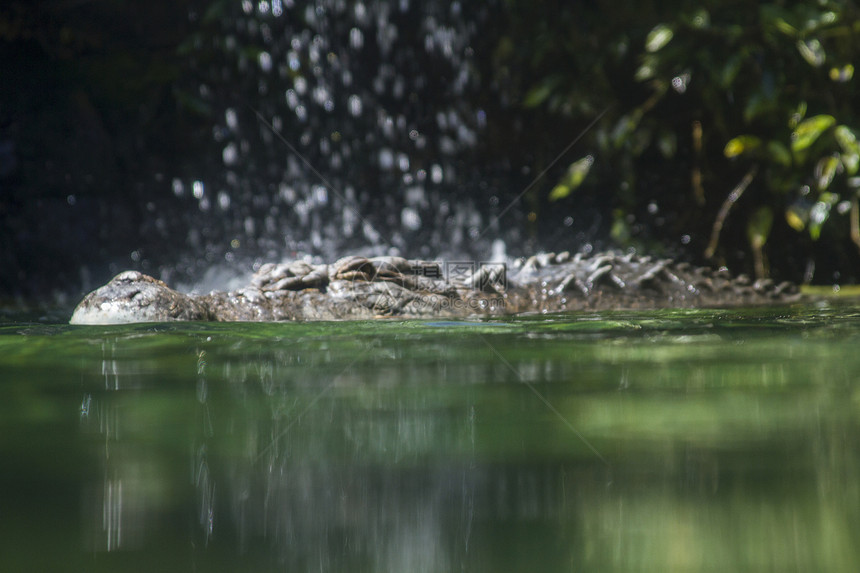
[361,288]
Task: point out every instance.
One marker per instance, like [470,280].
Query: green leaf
[797,215]
[626,126]
[779,153]
[701,19]
[730,69]
[850,148]
[192,103]
[843,74]
[759,226]
[824,19]
[643,73]
[578,170]
[757,105]
[667,143]
[658,37]
[809,130]
[785,27]
[846,138]
[819,213]
[798,115]
[812,51]
[620,231]
[646,69]
[740,145]
[559,192]
[825,171]
[572,179]
[538,94]
[851,162]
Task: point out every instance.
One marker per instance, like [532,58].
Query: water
[343,128]
[660,441]
[340,127]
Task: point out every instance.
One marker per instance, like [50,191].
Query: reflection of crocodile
[357,287]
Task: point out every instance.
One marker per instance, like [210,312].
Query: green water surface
[695,440]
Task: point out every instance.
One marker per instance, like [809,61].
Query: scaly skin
[361,288]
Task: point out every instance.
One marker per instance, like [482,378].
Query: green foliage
[573,178]
[758,228]
[701,93]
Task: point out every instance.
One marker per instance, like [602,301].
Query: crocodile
[357,287]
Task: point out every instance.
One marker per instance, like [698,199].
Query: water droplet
[679,83]
[287,193]
[410,219]
[466,135]
[293,61]
[386,159]
[415,196]
[231,118]
[230,154]
[320,194]
[320,94]
[360,13]
[197,189]
[403,161]
[356,39]
[301,85]
[398,88]
[436,173]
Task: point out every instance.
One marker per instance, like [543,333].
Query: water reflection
[330,484]
[394,448]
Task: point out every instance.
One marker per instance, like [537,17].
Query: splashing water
[340,127]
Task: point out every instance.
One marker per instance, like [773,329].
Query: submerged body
[359,288]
